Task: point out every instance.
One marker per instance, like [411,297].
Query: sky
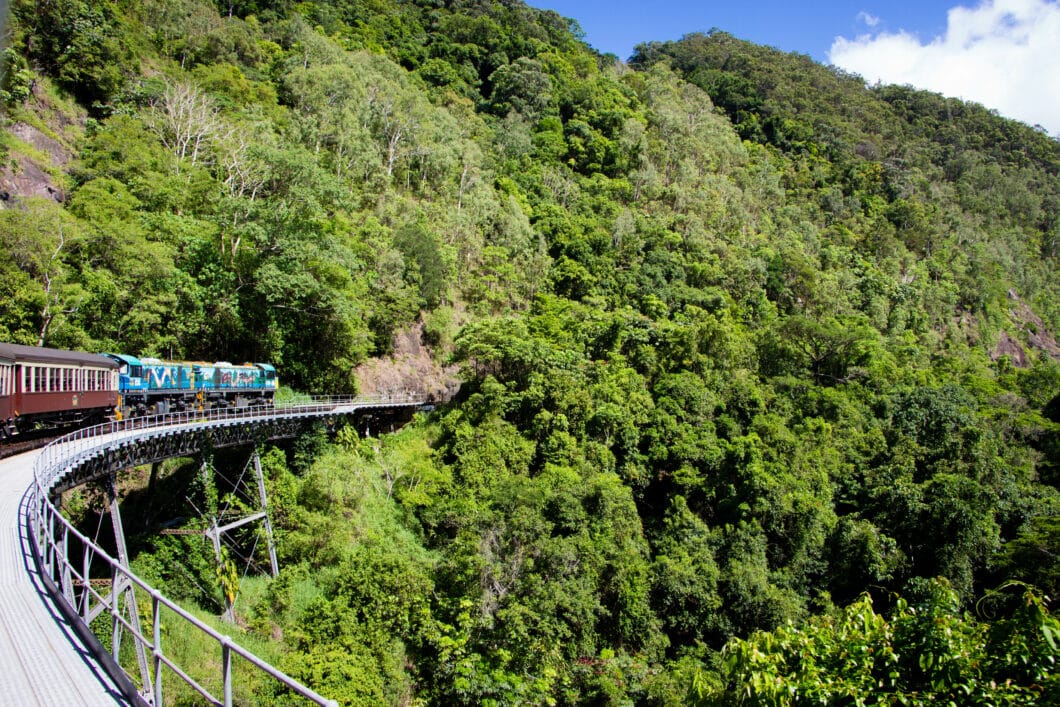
[1004,54]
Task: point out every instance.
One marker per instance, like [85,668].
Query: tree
[522,86]
[83,44]
[35,240]
[921,654]
[187,121]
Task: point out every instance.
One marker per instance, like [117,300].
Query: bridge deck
[41,660]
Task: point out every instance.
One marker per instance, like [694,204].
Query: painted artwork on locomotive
[152,386]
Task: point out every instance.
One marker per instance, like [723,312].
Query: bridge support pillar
[123,587]
[227,590]
[274,564]
[227,576]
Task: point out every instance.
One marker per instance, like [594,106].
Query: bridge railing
[84,598]
[71,578]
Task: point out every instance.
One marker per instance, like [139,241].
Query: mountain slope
[741,339]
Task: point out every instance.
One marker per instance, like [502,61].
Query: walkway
[41,660]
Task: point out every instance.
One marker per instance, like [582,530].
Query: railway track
[28,442]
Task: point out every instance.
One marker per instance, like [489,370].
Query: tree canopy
[760,386]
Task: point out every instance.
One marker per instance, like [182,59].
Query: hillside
[744,345]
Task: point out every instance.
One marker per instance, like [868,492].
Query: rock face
[1007,346]
[1033,328]
[410,370]
[27,179]
[31,172]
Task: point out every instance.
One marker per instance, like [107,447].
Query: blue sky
[1004,54]
[616,26]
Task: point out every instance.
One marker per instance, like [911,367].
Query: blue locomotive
[153,386]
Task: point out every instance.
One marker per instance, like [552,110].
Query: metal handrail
[52,533]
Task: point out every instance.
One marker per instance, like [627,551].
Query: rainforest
[746,378]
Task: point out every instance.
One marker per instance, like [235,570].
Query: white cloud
[1002,54]
[868,19]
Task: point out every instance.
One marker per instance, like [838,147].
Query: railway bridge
[59,589]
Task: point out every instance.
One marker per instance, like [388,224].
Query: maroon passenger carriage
[47,387]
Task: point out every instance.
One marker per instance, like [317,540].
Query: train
[43,388]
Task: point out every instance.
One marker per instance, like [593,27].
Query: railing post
[226,667]
[51,546]
[115,624]
[156,618]
[67,580]
[86,590]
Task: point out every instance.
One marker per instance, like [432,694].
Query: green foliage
[918,655]
[85,46]
[745,346]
